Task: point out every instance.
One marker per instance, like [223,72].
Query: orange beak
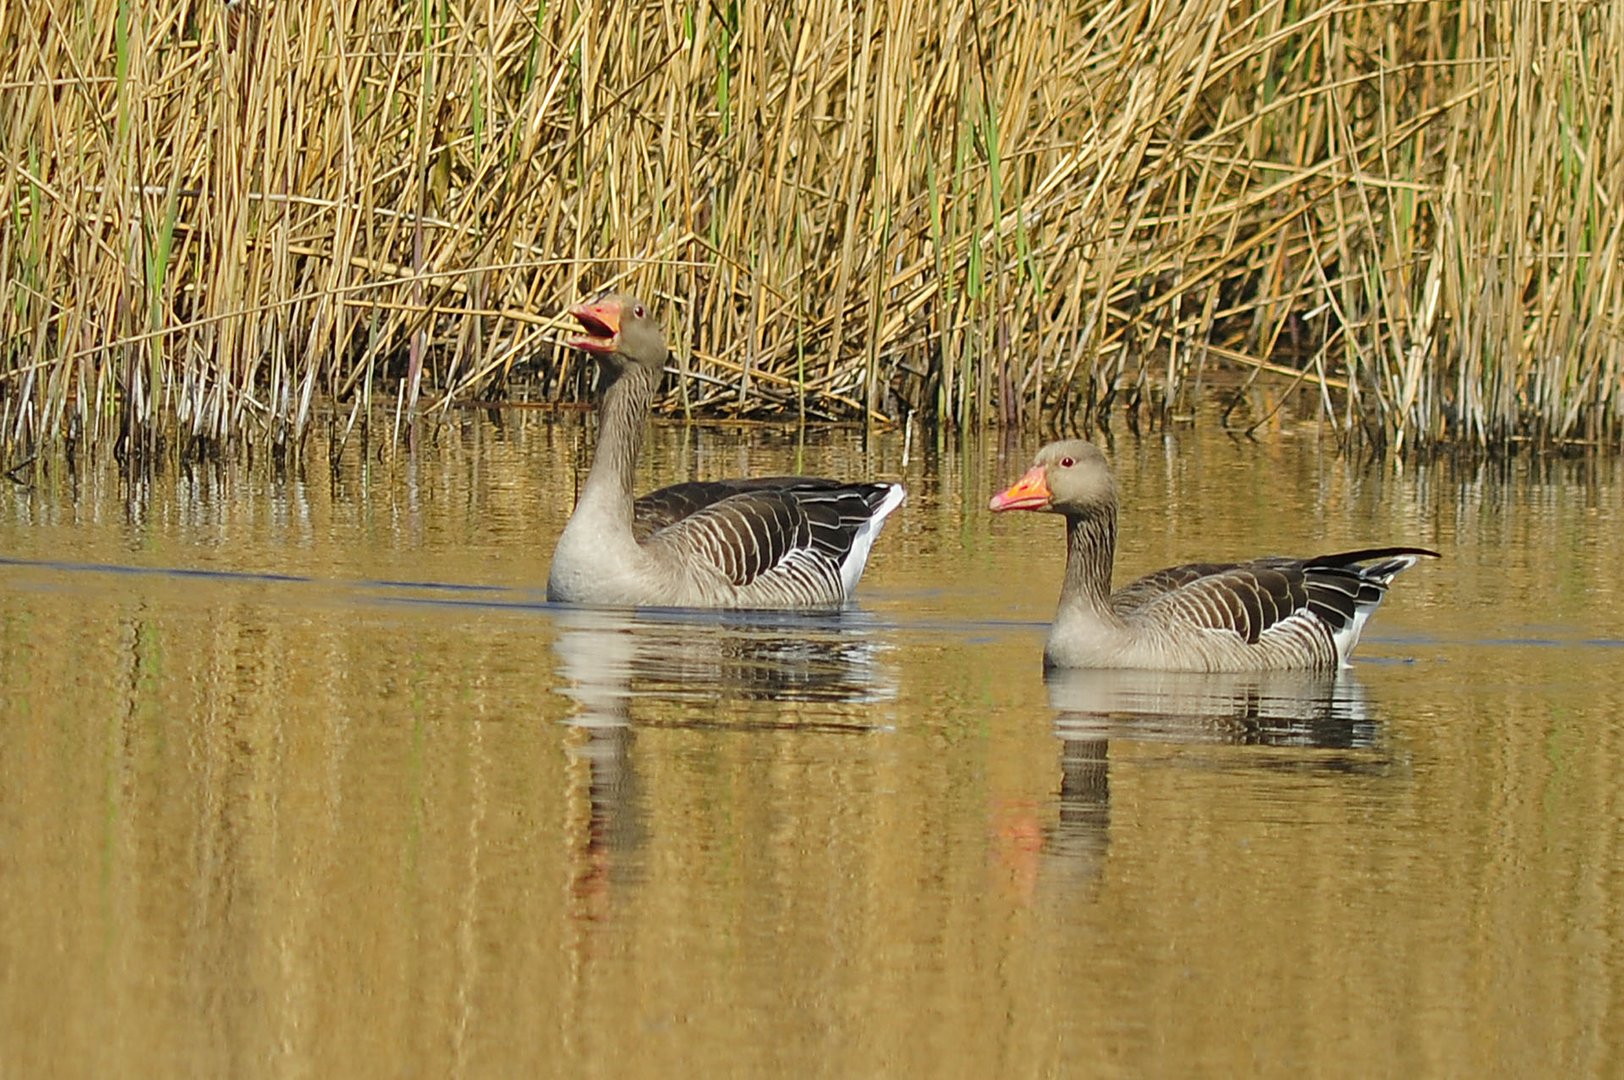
[601,321]
[1030,492]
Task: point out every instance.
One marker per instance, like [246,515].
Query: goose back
[775,542]
[1270,613]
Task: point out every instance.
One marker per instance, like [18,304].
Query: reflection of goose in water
[1314,720]
[627,670]
[608,659]
[1269,708]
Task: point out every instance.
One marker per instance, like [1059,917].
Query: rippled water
[302,775]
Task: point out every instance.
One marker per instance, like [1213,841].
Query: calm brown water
[302,777]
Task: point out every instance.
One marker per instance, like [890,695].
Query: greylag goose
[1269,614]
[793,542]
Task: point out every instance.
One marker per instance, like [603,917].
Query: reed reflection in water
[305,777]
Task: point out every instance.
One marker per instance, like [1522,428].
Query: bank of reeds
[226,221]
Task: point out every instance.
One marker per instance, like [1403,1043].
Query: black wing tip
[1349,558]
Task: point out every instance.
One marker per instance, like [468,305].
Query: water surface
[301,775]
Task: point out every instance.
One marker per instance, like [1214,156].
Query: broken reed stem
[219,220]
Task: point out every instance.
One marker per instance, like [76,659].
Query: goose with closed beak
[1268,614]
[789,542]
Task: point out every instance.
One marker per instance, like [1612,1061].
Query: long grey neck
[1090,548]
[607,492]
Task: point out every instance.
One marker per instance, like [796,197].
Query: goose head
[622,333]
[1070,477]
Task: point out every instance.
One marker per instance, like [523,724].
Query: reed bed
[228,223]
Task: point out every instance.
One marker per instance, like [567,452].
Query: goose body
[1267,614]
[791,542]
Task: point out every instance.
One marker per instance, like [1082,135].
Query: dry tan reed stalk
[221,219]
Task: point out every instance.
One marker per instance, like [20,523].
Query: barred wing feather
[798,532]
[1246,598]
[1251,598]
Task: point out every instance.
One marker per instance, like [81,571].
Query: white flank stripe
[851,568]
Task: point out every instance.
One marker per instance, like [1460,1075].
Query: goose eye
[637,311]
[1066,462]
